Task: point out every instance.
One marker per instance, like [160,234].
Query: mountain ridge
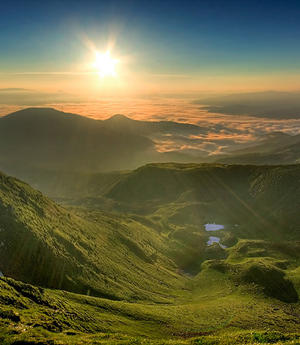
[43,146]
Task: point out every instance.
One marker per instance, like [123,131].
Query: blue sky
[172,37]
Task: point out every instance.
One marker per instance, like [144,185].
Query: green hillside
[129,262]
[262,201]
[221,308]
[103,255]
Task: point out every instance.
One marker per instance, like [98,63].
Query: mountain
[41,138]
[277,148]
[44,244]
[267,104]
[43,141]
[151,127]
[144,272]
[46,147]
[262,200]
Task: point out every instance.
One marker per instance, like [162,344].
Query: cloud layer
[218,133]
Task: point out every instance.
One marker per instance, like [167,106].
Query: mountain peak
[41,113]
[40,110]
[119,117]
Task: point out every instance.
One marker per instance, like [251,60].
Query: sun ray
[105,64]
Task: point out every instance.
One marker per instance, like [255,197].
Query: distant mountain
[151,127]
[48,139]
[269,104]
[45,147]
[277,148]
[35,141]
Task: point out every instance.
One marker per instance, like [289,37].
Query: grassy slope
[136,258]
[111,256]
[218,312]
[263,200]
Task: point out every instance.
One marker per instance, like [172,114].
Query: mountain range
[277,147]
[267,104]
[42,146]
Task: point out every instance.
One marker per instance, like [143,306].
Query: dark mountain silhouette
[151,127]
[38,140]
[49,139]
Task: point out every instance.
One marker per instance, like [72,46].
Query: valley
[164,254]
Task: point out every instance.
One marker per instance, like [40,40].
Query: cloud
[217,132]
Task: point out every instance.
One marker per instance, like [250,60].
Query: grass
[216,312]
[97,253]
[98,277]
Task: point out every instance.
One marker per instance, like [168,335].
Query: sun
[105,64]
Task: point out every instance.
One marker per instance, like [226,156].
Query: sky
[177,46]
[180,51]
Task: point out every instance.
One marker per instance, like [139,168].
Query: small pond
[214,239]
